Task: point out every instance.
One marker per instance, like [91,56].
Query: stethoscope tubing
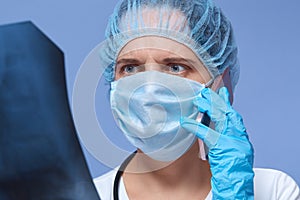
[119,175]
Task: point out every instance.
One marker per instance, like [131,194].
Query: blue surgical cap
[199,24]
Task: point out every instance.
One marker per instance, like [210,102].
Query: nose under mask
[148,106]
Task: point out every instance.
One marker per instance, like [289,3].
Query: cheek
[196,77]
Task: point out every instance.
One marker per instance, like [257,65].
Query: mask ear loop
[210,83]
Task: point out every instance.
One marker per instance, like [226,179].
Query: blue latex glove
[230,151]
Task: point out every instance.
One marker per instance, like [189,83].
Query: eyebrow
[127,60]
[178,60]
[166,60]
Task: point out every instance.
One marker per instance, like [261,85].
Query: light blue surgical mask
[148,106]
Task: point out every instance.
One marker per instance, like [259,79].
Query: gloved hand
[230,151]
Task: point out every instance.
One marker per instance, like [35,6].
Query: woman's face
[160,54]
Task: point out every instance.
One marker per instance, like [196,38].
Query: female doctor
[172,65]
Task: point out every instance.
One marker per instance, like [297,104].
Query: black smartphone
[206,121]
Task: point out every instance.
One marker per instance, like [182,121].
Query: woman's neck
[188,175]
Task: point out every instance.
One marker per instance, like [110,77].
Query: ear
[223,80]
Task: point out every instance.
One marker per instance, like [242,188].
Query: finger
[236,121]
[215,106]
[202,104]
[234,118]
[194,127]
[211,95]
[224,94]
[206,134]
[217,102]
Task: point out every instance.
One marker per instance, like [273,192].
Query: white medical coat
[269,184]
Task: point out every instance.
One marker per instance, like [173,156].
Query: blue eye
[176,68]
[130,69]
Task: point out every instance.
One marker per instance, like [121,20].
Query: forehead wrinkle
[143,52]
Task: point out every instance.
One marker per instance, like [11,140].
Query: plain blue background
[267,95]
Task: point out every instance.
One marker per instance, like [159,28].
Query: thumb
[206,134]
[194,127]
